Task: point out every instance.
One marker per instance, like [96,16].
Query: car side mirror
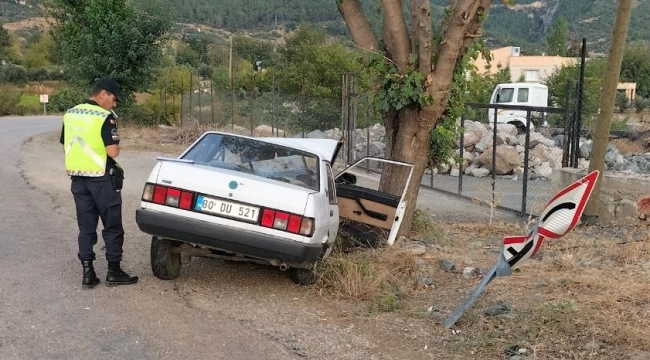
[346,178]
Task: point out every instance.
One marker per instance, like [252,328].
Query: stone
[469,272]
[507,159]
[480,172]
[544,170]
[498,309]
[585,149]
[414,248]
[448,266]
[508,129]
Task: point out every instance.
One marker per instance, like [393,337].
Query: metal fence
[509,178]
[259,113]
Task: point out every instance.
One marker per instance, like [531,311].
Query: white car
[267,200]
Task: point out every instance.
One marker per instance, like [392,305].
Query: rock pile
[545,153]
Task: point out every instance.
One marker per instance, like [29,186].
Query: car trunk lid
[233,186]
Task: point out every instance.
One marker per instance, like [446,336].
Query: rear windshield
[256,157]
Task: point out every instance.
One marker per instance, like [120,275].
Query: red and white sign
[560,216]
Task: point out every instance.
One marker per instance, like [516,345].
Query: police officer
[91,143]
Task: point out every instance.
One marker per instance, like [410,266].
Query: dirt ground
[586,296]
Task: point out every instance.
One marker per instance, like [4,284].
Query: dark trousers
[95,198]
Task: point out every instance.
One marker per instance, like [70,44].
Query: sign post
[44,101]
[560,216]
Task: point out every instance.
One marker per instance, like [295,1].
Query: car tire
[303,276]
[165,262]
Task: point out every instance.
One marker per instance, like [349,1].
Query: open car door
[366,213]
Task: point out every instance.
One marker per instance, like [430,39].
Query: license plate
[226,208]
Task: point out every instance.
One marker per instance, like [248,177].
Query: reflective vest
[85,152]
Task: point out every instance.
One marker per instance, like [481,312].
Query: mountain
[525,24]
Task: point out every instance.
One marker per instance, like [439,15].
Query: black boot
[116,276]
[90,277]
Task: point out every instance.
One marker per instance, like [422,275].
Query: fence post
[461,154]
[191,91]
[494,156]
[567,127]
[524,192]
[198,78]
[212,102]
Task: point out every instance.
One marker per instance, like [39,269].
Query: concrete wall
[619,193]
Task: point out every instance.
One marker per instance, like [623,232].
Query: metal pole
[191,91]
[212,100]
[494,154]
[173,99]
[198,77]
[567,127]
[461,154]
[524,191]
[575,146]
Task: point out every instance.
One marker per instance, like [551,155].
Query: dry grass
[625,146]
[587,296]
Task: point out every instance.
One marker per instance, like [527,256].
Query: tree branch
[464,20]
[414,26]
[395,32]
[424,36]
[357,24]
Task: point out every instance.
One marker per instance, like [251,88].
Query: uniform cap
[111,86]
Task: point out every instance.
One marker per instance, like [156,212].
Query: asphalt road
[44,313]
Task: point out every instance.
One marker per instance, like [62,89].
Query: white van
[524,94]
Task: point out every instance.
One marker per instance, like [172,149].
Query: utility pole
[607,97]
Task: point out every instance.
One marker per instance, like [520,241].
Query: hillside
[524,25]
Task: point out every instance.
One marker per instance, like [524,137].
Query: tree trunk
[408,130]
[408,138]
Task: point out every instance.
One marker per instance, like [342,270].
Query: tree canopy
[109,38]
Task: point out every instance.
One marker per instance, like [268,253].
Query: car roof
[324,148]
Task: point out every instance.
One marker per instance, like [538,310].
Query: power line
[263,15]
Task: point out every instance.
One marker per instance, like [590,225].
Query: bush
[9,98]
[29,105]
[621,101]
[37,74]
[10,73]
[56,74]
[65,99]
[136,114]
[641,104]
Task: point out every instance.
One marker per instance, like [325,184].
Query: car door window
[522,95]
[331,189]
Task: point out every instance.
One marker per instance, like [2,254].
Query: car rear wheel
[303,276]
[165,260]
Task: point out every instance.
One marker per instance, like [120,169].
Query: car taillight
[186,200]
[164,195]
[287,222]
[147,193]
[173,197]
[159,194]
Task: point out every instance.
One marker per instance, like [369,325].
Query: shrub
[136,114]
[641,104]
[56,74]
[37,74]
[29,105]
[621,101]
[9,98]
[10,73]
[65,99]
